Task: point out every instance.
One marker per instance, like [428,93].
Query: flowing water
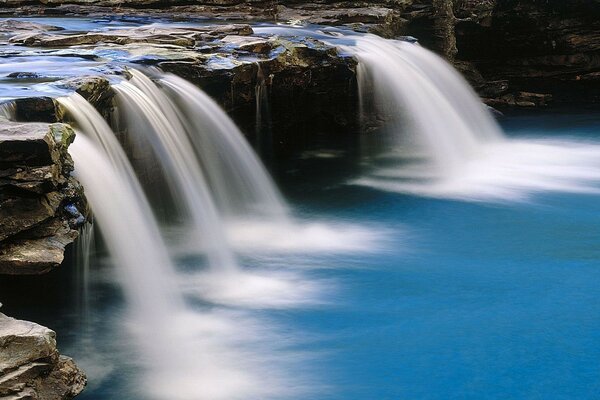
[379,284]
[150,115]
[239,181]
[445,143]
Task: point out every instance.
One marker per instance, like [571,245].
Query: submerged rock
[30,365]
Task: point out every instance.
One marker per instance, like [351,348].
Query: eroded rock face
[546,47]
[306,84]
[30,365]
[35,191]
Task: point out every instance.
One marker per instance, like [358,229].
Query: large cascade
[143,258]
[213,347]
[441,140]
[183,122]
[444,141]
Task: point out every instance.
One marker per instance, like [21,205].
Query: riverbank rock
[35,191]
[30,365]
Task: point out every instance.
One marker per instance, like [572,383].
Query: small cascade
[423,97]
[8,110]
[149,115]
[241,185]
[263,134]
[85,248]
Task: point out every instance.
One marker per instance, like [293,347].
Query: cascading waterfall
[150,115]
[8,110]
[425,99]
[443,142]
[207,353]
[127,215]
[446,142]
[240,183]
[104,170]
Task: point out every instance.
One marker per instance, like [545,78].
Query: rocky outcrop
[549,46]
[30,365]
[307,84]
[39,201]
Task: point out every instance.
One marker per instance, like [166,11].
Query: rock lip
[30,365]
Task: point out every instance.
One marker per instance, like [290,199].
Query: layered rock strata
[39,202]
[30,365]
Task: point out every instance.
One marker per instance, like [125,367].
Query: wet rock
[37,255]
[35,109]
[35,187]
[25,144]
[537,46]
[30,365]
[95,89]
[520,99]
[307,84]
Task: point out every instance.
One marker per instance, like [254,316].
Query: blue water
[461,301]
[468,301]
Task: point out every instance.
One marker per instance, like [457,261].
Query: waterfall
[8,110]
[443,141]
[120,207]
[122,211]
[239,180]
[151,116]
[423,97]
[185,350]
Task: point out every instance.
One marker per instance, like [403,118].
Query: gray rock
[34,188]
[12,25]
[30,365]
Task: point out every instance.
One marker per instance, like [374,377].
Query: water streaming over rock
[144,265]
[8,110]
[152,116]
[240,182]
[444,141]
[441,140]
[203,352]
